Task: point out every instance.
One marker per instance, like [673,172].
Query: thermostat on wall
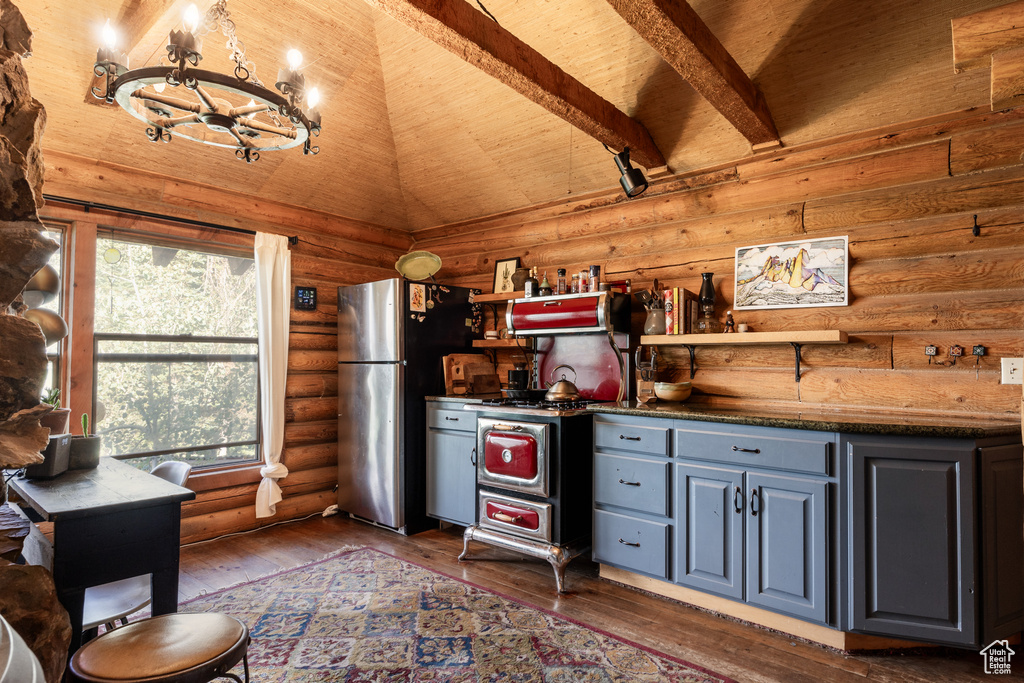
[305,298]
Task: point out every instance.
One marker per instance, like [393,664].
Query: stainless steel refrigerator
[392,336]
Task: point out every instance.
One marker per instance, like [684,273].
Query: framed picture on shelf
[503,271]
[796,274]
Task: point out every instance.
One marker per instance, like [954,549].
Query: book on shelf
[670,311]
[688,311]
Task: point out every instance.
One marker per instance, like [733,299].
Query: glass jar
[595,279]
[574,288]
[584,281]
[560,287]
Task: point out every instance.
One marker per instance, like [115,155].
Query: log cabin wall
[906,197]
[331,251]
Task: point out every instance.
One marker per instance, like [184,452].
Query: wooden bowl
[673,391]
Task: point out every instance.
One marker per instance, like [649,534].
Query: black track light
[633,181]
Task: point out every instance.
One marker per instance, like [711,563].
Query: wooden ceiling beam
[466,32]
[977,36]
[683,40]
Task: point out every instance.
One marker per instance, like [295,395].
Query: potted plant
[57,419]
[85,449]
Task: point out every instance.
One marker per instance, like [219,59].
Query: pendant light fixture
[633,181]
[237,112]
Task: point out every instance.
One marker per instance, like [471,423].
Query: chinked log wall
[332,251]
[905,196]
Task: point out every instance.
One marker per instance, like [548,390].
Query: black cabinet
[918,567]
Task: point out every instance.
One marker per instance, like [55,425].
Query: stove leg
[467,536]
[558,558]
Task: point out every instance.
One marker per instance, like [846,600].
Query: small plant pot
[56,420]
[85,452]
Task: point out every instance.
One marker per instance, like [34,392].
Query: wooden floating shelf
[805,337]
[497,298]
[795,339]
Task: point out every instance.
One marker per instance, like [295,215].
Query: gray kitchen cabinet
[915,506]
[632,494]
[451,463]
[755,535]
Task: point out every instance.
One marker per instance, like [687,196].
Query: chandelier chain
[219,17]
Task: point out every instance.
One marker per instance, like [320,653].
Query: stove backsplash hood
[568,314]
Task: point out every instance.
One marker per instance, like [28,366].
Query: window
[175,352]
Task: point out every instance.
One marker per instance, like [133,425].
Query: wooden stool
[172,648]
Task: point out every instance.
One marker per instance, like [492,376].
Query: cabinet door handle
[507,428]
[629,438]
[552,303]
[502,517]
[755,497]
[472,456]
[632,545]
[629,483]
[737,499]
[746,450]
[452,419]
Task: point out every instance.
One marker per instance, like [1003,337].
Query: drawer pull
[737,502]
[502,517]
[632,545]
[552,303]
[629,483]
[452,419]
[746,450]
[508,428]
[755,497]
[629,438]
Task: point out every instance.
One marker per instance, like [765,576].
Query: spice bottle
[575,287]
[584,281]
[560,283]
[595,279]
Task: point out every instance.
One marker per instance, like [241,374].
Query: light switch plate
[1012,370]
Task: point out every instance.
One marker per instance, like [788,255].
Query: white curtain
[273,285]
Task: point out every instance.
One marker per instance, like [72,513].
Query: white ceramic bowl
[673,391]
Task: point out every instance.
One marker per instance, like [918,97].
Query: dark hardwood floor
[743,652]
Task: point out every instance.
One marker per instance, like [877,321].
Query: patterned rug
[364,615]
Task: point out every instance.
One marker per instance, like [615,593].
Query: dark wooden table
[109,523]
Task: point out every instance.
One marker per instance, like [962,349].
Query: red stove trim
[554,314]
[513,455]
[510,455]
[515,517]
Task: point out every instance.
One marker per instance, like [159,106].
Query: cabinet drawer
[787,449]
[632,483]
[631,543]
[448,418]
[631,437]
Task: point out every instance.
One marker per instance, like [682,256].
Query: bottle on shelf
[545,286]
[595,279]
[574,288]
[531,287]
[584,281]
[560,287]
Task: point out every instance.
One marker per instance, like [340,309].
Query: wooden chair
[171,648]
[115,601]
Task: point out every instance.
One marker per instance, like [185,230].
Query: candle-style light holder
[110,63]
[292,85]
[183,48]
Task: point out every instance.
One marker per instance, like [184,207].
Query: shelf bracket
[796,347]
[693,367]
[494,309]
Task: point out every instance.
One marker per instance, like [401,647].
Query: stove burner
[579,404]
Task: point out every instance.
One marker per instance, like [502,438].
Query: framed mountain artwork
[800,274]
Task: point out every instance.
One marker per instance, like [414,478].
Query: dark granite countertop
[848,421]
[476,398]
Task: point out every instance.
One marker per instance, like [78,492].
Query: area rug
[364,615]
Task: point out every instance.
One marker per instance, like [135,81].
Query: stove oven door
[513,455]
[514,516]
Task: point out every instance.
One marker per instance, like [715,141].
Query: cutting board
[468,373]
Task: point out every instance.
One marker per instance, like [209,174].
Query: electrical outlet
[931,350]
[1012,370]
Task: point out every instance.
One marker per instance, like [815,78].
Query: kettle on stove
[563,389]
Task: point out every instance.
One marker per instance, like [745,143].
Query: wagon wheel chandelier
[237,112]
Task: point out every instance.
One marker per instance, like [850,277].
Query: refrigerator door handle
[472,456]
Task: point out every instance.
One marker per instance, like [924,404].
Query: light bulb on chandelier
[237,112]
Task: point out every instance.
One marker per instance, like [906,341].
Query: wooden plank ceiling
[417,136]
